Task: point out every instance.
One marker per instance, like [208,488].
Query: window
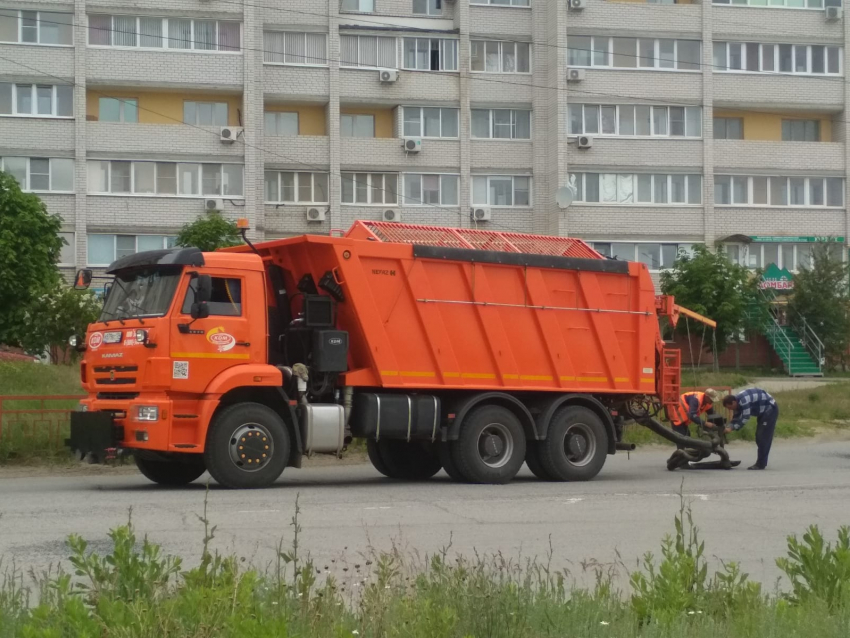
[656,256]
[799,59]
[296,188]
[791,4]
[504,124]
[36,27]
[160,33]
[430,54]
[280,123]
[37,100]
[430,122]
[120,177]
[68,252]
[630,189]
[205,113]
[741,190]
[501,190]
[225,298]
[358,6]
[113,109]
[800,130]
[631,53]
[502,3]
[367,51]
[790,255]
[36,174]
[286,47]
[728,128]
[369,188]
[491,56]
[638,120]
[104,249]
[356,125]
[423,189]
[428,7]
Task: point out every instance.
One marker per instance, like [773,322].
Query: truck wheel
[172,472]
[395,459]
[444,453]
[575,446]
[532,460]
[491,446]
[248,446]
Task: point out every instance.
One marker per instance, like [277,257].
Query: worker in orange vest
[691,406]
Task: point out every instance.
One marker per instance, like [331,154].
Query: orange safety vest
[679,414]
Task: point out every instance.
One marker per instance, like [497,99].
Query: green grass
[35,378]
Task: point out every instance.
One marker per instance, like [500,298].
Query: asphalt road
[744,516]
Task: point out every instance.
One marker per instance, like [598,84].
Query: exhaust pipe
[625,447]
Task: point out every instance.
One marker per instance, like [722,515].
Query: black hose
[675,437]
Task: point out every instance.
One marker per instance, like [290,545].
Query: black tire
[491,446]
[414,461]
[532,460]
[579,456]
[264,440]
[172,472]
[444,452]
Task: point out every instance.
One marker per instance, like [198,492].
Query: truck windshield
[141,292]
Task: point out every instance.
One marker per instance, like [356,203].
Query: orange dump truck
[470,351]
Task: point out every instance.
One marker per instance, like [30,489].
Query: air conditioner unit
[229,134]
[388,76]
[213,204]
[481,214]
[315,215]
[834,13]
[585,141]
[577,5]
[391,215]
[412,144]
[576,75]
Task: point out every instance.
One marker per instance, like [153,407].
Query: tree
[54,316]
[29,249]
[710,284]
[209,232]
[822,297]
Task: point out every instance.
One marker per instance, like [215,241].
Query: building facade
[675,123]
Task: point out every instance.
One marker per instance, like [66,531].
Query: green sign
[781,239]
[777,278]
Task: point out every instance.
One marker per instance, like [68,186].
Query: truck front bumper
[94,435]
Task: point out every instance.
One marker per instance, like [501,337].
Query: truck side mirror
[199,310]
[83,278]
[204,291]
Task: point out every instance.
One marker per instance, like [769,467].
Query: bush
[817,569]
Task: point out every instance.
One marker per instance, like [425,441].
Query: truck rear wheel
[414,461]
[444,452]
[248,446]
[173,472]
[491,446]
[575,446]
[532,460]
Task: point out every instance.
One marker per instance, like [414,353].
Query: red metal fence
[35,420]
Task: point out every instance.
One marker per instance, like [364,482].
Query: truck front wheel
[414,461]
[576,445]
[248,446]
[491,446]
[173,472]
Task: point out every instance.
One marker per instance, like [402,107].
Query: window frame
[790,123]
[356,117]
[277,115]
[422,122]
[776,58]
[636,202]
[70,245]
[680,248]
[198,114]
[513,125]
[427,13]
[442,51]
[418,202]
[501,54]
[165,244]
[324,62]
[199,176]
[50,190]
[769,190]
[378,39]
[54,101]
[39,22]
[514,4]
[609,53]
[352,176]
[513,179]
[122,109]
[165,37]
[747,5]
[343,10]
[296,188]
[652,121]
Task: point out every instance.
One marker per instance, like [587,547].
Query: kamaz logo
[336,341]
[378,271]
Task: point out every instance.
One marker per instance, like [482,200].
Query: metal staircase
[798,347]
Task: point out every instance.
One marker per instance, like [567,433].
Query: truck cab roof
[186,257]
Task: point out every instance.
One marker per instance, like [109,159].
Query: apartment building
[674,122]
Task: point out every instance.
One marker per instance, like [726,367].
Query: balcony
[179,69]
[155,215]
[621,17]
[425,87]
[636,153]
[798,157]
[739,23]
[788,92]
[496,21]
[779,221]
[387,154]
[301,152]
[155,141]
[33,135]
[502,154]
[28,61]
[634,222]
[296,83]
[656,87]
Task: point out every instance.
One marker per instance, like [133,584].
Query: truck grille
[116,368]
[112,371]
[117,396]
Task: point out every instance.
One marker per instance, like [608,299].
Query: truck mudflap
[94,436]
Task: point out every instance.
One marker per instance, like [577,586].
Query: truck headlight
[141,336]
[147,413]
[73,341]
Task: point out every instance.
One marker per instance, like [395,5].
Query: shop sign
[776,278]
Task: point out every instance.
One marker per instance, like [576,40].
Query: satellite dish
[564,196]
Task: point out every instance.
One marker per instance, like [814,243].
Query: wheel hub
[251,447]
[495,445]
[579,444]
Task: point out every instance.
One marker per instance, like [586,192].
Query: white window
[286,47]
[68,252]
[801,130]
[158,33]
[275,123]
[502,3]
[504,124]
[430,54]
[635,120]
[796,59]
[41,174]
[370,188]
[104,249]
[358,6]
[424,189]
[656,255]
[184,179]
[788,4]
[37,100]
[351,125]
[501,190]
[36,27]
[118,109]
[205,113]
[368,51]
[428,7]
[626,189]
[633,53]
[430,122]
[296,188]
[800,192]
[492,56]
